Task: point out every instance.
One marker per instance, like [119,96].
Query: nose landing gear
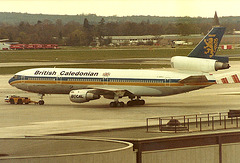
[41,101]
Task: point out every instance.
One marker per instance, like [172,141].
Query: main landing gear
[132,102]
[116,103]
[137,101]
[41,101]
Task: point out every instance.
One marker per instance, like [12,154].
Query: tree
[88,29]
[78,38]
[184,29]
[86,25]
[59,27]
[24,38]
[101,31]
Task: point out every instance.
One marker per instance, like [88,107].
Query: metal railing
[193,123]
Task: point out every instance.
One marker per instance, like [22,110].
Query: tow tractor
[13,99]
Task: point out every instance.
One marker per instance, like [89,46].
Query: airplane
[84,85]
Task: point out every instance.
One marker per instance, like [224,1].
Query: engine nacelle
[197,64]
[82,95]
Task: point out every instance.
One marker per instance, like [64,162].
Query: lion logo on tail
[211,46]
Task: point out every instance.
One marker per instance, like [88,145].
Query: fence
[194,122]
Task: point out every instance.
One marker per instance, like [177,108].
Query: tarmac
[54,146]
[59,115]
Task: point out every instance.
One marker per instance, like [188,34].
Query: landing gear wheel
[113,104]
[130,103]
[41,102]
[135,102]
[117,104]
[121,104]
[141,102]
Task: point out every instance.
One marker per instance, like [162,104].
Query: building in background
[131,40]
[5,44]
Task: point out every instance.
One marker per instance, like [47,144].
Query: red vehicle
[51,46]
[29,46]
[33,46]
[18,46]
[38,46]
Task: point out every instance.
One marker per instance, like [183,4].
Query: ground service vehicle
[13,99]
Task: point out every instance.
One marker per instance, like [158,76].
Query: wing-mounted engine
[197,64]
[83,95]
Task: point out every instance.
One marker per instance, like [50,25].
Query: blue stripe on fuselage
[25,78]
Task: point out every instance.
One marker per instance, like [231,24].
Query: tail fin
[207,48]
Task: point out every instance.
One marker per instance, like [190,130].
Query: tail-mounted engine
[83,95]
[197,64]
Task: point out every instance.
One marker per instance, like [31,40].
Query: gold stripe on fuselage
[58,82]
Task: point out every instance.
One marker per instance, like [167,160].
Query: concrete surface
[59,115]
[55,146]
[62,150]
[18,64]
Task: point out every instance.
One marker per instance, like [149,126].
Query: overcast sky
[193,8]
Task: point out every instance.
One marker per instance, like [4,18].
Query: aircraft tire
[130,103]
[141,102]
[135,102]
[41,102]
[121,104]
[113,104]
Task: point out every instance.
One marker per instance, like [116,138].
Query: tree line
[83,34]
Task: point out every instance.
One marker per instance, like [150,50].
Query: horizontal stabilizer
[221,59]
[228,78]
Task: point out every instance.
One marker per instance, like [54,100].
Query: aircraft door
[59,79]
[23,79]
[105,81]
[167,81]
[105,78]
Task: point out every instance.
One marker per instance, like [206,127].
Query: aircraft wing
[191,80]
[110,92]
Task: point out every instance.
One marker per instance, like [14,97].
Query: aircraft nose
[10,81]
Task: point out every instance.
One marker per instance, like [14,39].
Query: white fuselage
[138,82]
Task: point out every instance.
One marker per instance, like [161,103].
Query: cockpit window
[15,76]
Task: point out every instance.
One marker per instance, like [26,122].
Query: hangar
[131,40]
